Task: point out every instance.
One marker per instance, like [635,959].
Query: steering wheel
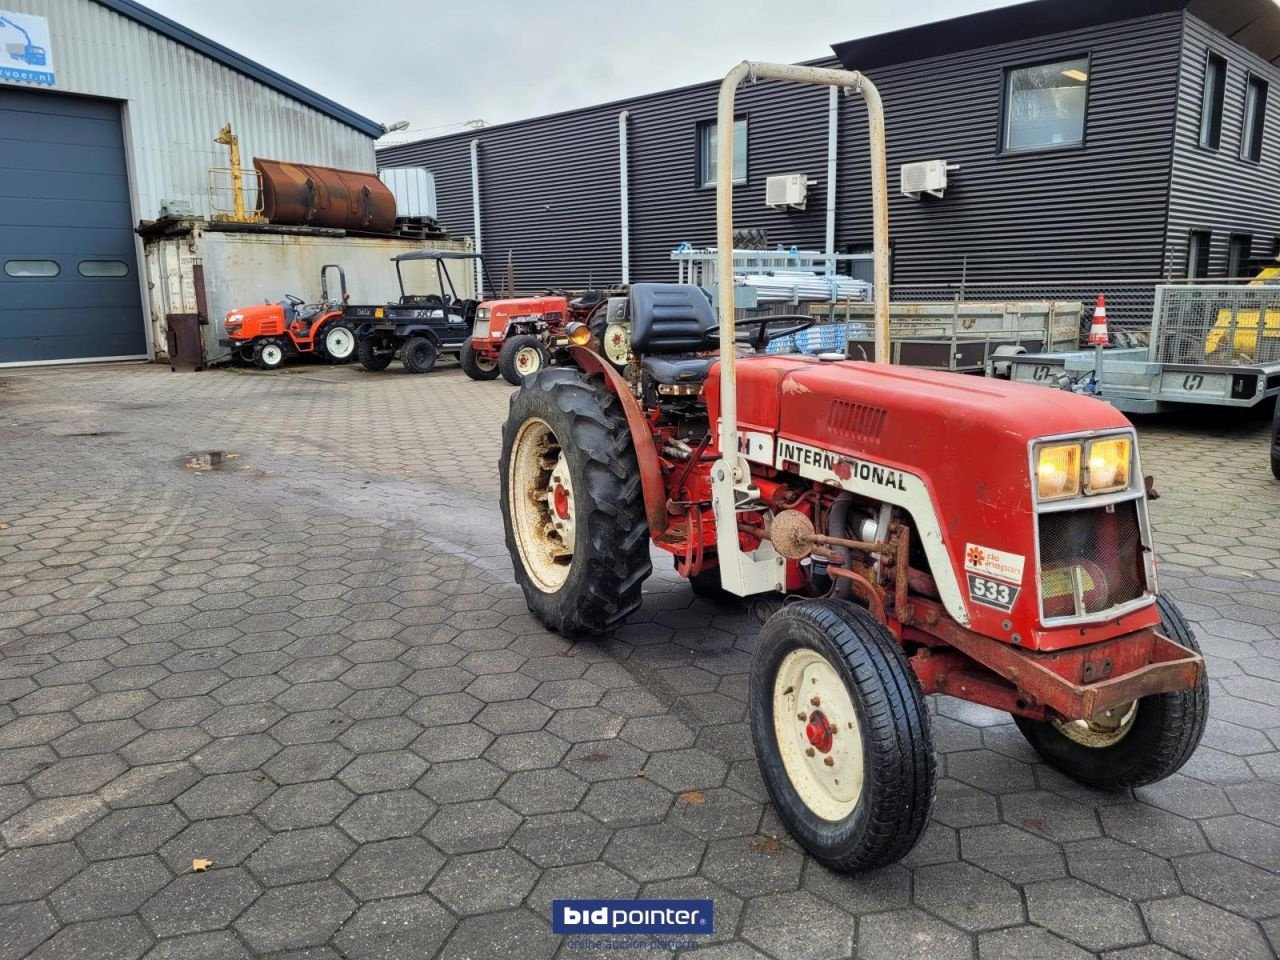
[296,301]
[763,335]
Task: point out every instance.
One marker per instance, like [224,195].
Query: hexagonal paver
[910,934]
[228,841]
[1084,914]
[197,902]
[23,926]
[1020,943]
[299,855]
[302,915]
[754,866]
[1202,931]
[560,839]
[542,791]
[392,929]
[967,897]
[381,816]
[117,937]
[470,827]
[656,852]
[1220,880]
[32,872]
[390,770]
[515,933]
[459,780]
[304,805]
[620,803]
[390,868]
[799,925]
[482,882]
[109,888]
[1121,869]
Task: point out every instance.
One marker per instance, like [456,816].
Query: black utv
[418,327]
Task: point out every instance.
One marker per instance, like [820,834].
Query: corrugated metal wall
[178,99]
[550,186]
[1093,212]
[1216,190]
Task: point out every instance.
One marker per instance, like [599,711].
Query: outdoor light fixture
[393,127]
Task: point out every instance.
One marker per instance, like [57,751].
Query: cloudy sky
[439,65]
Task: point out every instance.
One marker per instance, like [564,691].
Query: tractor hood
[261,318]
[955,451]
[525,314]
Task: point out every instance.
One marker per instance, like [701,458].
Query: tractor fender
[655,494]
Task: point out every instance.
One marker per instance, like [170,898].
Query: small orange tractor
[901,532]
[267,335]
[518,337]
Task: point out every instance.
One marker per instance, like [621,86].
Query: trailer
[1211,345]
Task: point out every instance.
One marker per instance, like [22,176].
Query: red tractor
[519,336]
[907,533]
[268,334]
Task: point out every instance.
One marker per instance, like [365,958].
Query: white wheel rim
[271,354]
[1105,730]
[617,343]
[484,363]
[340,342]
[818,734]
[542,505]
[528,360]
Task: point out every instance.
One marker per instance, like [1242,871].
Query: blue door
[68,265]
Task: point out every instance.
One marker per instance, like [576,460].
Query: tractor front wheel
[419,354]
[338,342]
[842,734]
[521,357]
[573,504]
[477,366]
[268,354]
[373,355]
[1134,743]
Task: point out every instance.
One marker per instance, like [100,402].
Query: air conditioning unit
[787,190]
[927,176]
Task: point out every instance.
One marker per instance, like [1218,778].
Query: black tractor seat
[677,370]
[670,323]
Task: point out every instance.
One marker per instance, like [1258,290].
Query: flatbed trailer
[1212,345]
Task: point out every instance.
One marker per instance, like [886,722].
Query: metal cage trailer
[1216,345]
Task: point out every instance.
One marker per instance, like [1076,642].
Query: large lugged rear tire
[1137,743]
[572,503]
[476,366]
[842,734]
[521,357]
[373,355]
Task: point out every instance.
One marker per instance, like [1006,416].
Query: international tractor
[519,336]
[269,334]
[906,532]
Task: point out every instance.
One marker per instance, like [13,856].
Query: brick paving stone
[317,673]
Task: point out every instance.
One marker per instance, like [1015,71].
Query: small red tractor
[907,532]
[268,334]
[517,337]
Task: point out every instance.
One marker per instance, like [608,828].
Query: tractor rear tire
[614,339]
[566,447]
[419,354]
[338,343]
[831,698]
[268,354]
[370,358]
[1149,741]
[521,357]
[475,366]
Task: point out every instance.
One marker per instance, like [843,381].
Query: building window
[1215,91]
[1198,254]
[31,268]
[103,268]
[1255,114]
[1238,255]
[708,141]
[1044,105]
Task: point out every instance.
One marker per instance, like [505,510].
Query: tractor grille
[1090,560]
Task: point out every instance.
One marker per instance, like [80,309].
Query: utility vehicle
[419,327]
[267,335]
[909,532]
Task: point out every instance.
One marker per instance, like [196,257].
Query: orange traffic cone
[1098,335]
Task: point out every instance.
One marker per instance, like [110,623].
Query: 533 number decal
[992,593]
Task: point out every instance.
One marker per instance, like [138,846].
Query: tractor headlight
[1108,461]
[579,334]
[1058,471]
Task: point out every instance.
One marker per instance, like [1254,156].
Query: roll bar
[731,476]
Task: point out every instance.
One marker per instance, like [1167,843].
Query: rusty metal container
[298,193]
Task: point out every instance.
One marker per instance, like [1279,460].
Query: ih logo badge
[995,577]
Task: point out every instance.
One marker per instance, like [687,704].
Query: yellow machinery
[218,185]
[1236,333]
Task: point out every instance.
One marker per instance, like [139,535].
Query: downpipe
[624,184]
[475,214]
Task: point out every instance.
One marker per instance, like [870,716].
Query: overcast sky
[439,65]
